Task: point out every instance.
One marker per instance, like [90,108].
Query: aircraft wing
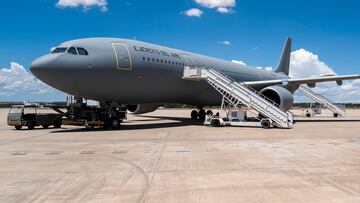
[311,81]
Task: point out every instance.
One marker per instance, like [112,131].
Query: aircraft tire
[202,114]
[209,112]
[194,115]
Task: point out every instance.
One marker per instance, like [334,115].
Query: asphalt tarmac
[166,157]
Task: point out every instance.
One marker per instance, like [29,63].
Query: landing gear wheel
[209,112]
[45,126]
[115,123]
[336,115]
[194,115]
[265,124]
[18,127]
[202,114]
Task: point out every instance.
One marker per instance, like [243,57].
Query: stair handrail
[330,103]
[252,89]
[241,85]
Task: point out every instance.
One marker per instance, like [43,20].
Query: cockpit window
[59,50]
[82,51]
[72,50]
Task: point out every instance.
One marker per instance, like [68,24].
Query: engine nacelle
[142,108]
[279,95]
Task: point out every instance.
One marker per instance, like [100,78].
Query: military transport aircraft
[143,76]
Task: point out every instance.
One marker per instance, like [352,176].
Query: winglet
[284,63]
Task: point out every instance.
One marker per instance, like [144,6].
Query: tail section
[284,63]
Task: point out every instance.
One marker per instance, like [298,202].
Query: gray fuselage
[134,72]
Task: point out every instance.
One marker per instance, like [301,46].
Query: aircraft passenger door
[122,56]
[189,60]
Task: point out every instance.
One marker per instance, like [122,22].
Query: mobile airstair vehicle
[240,95]
[336,109]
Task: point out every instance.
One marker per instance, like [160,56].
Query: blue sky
[255,30]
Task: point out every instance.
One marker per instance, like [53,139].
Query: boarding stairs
[240,94]
[322,100]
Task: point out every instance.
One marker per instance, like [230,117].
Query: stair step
[236,93]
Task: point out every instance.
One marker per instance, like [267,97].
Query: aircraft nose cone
[41,66]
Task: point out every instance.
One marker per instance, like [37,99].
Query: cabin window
[82,51]
[72,51]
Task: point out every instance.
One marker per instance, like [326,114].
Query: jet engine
[142,108]
[279,95]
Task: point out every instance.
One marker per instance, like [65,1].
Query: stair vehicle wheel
[31,126]
[209,112]
[45,126]
[194,115]
[265,123]
[215,123]
[308,115]
[18,127]
[202,114]
[115,123]
[336,115]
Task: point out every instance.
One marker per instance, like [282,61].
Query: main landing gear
[200,114]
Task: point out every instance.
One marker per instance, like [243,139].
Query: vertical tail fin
[284,63]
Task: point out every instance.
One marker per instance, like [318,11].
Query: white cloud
[16,80]
[86,4]
[239,62]
[216,3]
[304,63]
[224,42]
[224,10]
[221,6]
[194,12]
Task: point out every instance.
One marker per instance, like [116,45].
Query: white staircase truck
[337,110]
[239,94]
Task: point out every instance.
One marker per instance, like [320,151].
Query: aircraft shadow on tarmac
[132,125]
